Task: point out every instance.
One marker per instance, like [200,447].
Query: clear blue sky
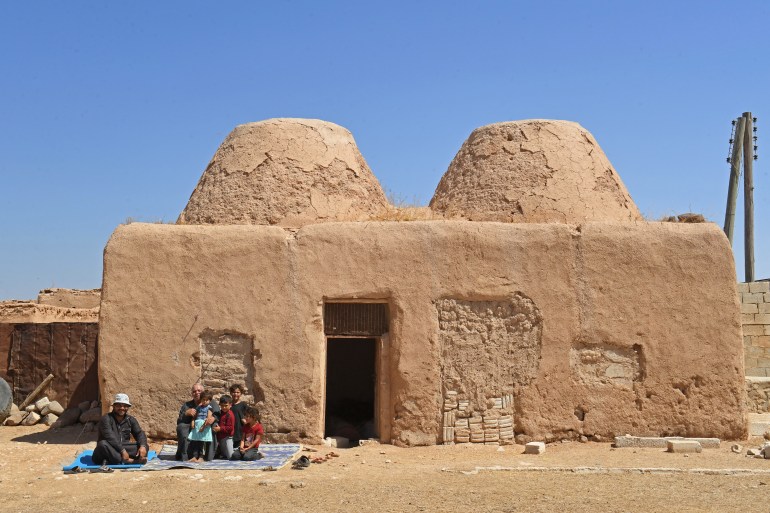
[110,110]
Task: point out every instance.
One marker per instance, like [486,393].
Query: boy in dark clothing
[225,427]
[252,436]
[238,408]
[114,444]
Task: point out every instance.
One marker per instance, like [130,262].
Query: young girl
[200,432]
[252,436]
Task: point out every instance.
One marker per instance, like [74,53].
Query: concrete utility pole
[748,195]
[735,171]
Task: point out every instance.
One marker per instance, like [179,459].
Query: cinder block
[752,363]
[767,297]
[748,319]
[764,308]
[759,286]
[750,308]
[752,298]
[755,371]
[743,287]
[761,319]
[534,448]
[763,362]
[763,341]
[683,446]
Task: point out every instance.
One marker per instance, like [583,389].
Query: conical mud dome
[533,171]
[286,172]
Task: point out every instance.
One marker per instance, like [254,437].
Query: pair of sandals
[80,470]
[303,462]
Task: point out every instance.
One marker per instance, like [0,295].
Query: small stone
[753,452]
[30,408]
[49,419]
[583,439]
[683,446]
[41,403]
[14,408]
[388,461]
[767,435]
[15,419]
[31,419]
[298,484]
[534,448]
[736,448]
[52,407]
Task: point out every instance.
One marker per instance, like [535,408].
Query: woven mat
[274,457]
[84,461]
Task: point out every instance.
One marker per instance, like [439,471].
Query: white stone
[41,403]
[52,407]
[683,446]
[49,419]
[31,419]
[534,448]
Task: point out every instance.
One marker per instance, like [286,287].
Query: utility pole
[748,195]
[735,171]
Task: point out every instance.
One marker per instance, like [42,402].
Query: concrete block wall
[755,317]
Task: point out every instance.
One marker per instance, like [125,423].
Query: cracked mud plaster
[286,172]
[227,357]
[488,347]
[605,365]
[533,171]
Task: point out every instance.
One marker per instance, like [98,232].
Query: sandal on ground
[301,463]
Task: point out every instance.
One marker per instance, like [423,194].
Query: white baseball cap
[122,399]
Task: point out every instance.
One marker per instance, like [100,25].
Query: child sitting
[200,432]
[252,436]
[225,428]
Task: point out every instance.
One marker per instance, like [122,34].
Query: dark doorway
[350,388]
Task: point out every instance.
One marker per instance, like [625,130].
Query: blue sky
[112,110]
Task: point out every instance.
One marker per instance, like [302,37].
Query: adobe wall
[566,330]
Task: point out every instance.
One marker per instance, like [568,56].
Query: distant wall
[70,298]
[755,317]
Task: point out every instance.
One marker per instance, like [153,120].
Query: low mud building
[531,302]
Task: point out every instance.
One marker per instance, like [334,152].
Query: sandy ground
[568,477]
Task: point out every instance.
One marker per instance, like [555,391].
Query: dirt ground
[568,477]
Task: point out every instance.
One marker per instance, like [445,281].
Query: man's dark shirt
[119,433]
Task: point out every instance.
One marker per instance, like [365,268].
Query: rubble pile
[53,414]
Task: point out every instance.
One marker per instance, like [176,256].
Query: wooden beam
[31,397]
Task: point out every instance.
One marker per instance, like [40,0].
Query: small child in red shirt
[225,427]
[251,432]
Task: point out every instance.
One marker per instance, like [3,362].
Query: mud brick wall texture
[755,317]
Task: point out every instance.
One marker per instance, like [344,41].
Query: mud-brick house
[53,334]
[529,301]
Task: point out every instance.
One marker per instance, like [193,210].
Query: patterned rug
[274,457]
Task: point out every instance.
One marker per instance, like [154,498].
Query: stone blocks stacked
[755,317]
[462,424]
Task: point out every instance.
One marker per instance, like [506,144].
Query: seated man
[183,420]
[114,445]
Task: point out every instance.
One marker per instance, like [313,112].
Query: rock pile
[53,414]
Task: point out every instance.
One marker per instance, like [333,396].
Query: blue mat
[84,461]
[274,457]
